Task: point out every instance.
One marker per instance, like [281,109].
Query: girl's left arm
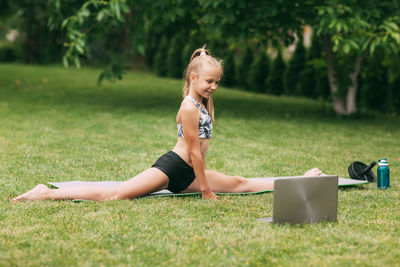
[190,122]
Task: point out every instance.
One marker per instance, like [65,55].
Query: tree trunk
[352,91]
[342,105]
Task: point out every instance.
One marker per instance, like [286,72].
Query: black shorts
[180,174]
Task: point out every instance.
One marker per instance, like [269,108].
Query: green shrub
[216,47]
[174,57]
[306,82]
[295,66]
[315,50]
[229,78]
[151,48]
[192,44]
[374,90]
[395,94]
[7,53]
[187,52]
[243,68]
[321,89]
[307,77]
[160,65]
[275,79]
[258,73]
[320,73]
[393,64]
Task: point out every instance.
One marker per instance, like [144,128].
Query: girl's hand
[209,195]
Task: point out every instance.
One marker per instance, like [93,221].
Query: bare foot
[39,192]
[313,172]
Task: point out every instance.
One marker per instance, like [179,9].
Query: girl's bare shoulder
[187,106]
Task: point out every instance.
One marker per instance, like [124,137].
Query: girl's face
[205,82]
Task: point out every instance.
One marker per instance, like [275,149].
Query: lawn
[56,125]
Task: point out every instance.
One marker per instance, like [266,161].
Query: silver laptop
[304,199]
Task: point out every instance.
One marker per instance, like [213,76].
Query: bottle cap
[383,162]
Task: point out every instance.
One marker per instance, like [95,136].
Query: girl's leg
[144,183]
[223,183]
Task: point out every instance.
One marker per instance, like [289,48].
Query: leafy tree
[136,21]
[355,28]
[36,43]
[82,23]
[258,72]
[275,79]
[351,28]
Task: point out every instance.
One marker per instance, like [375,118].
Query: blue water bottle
[383,174]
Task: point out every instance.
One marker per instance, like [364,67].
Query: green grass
[57,125]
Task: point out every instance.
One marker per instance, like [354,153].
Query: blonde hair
[198,59]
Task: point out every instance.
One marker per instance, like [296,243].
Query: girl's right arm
[190,122]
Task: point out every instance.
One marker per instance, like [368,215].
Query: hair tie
[203,53]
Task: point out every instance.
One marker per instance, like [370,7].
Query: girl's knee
[239,183]
[118,193]
[110,194]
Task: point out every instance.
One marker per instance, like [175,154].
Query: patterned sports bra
[205,122]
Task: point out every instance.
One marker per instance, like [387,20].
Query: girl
[183,169]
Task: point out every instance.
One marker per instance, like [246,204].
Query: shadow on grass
[353,188]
